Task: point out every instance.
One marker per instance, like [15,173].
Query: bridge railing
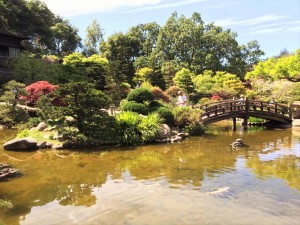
[229,106]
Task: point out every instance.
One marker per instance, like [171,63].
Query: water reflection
[160,184]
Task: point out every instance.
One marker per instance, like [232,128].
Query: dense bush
[140,95]
[135,107]
[160,94]
[12,116]
[164,113]
[36,90]
[134,129]
[189,119]
[173,91]
[128,128]
[150,126]
[155,103]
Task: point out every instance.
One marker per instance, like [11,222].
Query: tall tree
[65,38]
[94,36]
[118,49]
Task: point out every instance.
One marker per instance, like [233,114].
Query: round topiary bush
[155,103]
[140,95]
[165,113]
[135,107]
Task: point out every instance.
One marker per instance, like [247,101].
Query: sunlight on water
[199,181]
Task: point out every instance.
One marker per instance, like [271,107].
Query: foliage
[204,83]
[93,69]
[255,120]
[11,116]
[83,108]
[156,103]
[144,74]
[64,38]
[94,36]
[128,128]
[5,204]
[13,92]
[33,19]
[183,79]
[160,94]
[150,127]
[134,129]
[140,95]
[188,118]
[284,67]
[173,91]
[36,90]
[295,92]
[164,113]
[29,68]
[10,113]
[135,107]
[280,90]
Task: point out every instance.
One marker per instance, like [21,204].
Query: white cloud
[249,22]
[81,7]
[167,5]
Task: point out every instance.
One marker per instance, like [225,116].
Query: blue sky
[275,24]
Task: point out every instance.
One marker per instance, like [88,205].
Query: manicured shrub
[173,91]
[135,107]
[164,113]
[155,103]
[140,95]
[160,94]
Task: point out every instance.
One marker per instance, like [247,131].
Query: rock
[58,146]
[41,144]
[7,172]
[49,129]
[239,143]
[165,131]
[296,123]
[42,126]
[20,144]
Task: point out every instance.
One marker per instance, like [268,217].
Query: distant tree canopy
[32,18]
[283,67]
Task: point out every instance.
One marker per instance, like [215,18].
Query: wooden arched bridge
[223,110]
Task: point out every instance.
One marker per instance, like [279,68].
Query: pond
[198,181]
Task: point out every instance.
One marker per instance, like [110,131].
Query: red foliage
[37,89]
[216,97]
[160,95]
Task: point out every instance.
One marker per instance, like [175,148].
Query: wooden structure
[10,46]
[244,109]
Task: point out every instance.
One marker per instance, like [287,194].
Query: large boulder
[21,144]
[165,131]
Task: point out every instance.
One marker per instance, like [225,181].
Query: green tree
[65,38]
[94,36]
[29,68]
[285,67]
[119,51]
[94,69]
[183,79]
[84,104]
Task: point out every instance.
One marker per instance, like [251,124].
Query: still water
[199,181]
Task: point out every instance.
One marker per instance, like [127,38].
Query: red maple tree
[36,90]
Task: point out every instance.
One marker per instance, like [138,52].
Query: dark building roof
[11,40]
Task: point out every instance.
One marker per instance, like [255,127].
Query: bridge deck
[236,109]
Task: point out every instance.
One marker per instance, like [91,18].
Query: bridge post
[234,123]
[245,123]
